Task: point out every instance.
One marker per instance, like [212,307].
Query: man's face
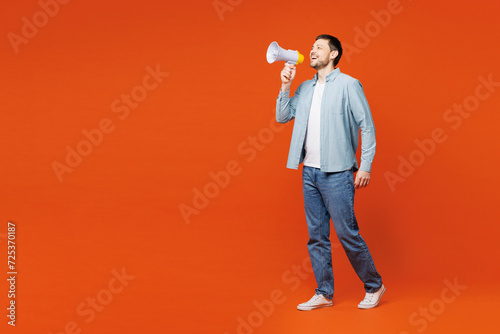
[320,54]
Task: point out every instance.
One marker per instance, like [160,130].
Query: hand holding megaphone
[292,58]
[288,74]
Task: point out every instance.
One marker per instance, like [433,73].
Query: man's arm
[362,115]
[286,106]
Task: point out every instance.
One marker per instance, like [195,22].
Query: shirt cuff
[284,94]
[365,166]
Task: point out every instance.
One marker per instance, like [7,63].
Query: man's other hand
[362,179]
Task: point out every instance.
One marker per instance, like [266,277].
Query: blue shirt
[344,111]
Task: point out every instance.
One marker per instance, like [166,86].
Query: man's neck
[322,73]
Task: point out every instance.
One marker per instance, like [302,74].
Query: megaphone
[276,53]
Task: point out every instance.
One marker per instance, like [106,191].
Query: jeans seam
[351,204]
[365,250]
[321,242]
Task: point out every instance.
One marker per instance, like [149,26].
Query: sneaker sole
[310,308]
[362,307]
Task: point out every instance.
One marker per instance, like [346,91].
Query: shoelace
[313,299]
[369,297]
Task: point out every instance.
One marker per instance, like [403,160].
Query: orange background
[120,207]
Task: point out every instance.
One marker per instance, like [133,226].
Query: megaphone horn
[277,53]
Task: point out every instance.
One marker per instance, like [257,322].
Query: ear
[334,54]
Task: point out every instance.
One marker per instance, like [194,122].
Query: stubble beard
[319,64]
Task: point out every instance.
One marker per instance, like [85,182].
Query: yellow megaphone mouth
[301,58]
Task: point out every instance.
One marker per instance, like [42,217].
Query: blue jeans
[331,195]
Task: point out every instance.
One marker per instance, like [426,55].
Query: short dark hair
[334,44]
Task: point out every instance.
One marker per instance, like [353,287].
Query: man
[329,111]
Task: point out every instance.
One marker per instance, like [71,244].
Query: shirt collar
[330,77]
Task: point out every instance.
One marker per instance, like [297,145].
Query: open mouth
[314,57]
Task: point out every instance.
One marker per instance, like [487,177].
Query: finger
[361,182]
[366,182]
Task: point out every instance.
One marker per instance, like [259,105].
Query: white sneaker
[315,302]
[371,299]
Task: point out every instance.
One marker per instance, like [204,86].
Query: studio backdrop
[144,186]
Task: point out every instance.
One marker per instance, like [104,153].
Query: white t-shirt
[312,158]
